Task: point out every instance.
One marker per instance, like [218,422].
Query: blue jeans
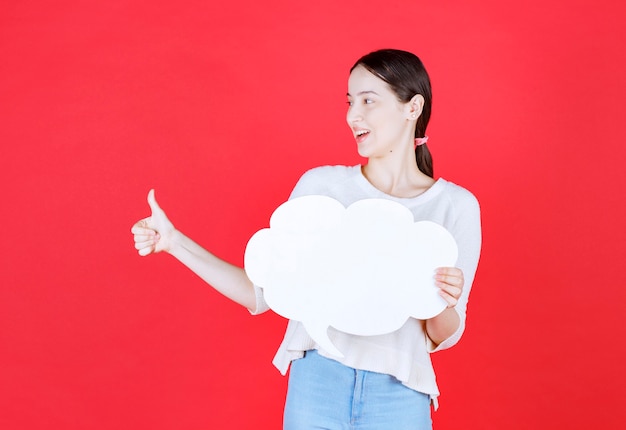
[325,394]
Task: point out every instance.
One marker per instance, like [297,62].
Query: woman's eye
[368,101]
[349,103]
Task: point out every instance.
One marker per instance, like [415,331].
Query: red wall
[221,107]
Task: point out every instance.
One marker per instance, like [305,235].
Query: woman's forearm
[226,278]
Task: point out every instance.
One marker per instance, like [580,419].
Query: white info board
[363,270]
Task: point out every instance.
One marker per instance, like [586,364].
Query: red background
[221,107]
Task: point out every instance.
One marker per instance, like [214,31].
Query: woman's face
[379,122]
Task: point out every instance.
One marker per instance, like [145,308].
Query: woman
[386,381]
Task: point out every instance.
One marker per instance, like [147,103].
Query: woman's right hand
[154,233]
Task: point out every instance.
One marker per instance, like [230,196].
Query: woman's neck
[397,176]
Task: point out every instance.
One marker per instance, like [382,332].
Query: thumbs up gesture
[153,234]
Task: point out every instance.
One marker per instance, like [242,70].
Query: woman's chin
[364,151]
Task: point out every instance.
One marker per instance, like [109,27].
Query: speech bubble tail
[320,335]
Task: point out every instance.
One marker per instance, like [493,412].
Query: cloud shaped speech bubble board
[363,270]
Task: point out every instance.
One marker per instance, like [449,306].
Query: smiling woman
[384,381]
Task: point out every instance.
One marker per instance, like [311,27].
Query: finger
[450,280]
[453,292]
[144,239]
[450,271]
[154,206]
[142,229]
[450,275]
[449,299]
[451,295]
[145,244]
[145,251]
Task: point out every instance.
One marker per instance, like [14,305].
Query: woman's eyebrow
[360,93]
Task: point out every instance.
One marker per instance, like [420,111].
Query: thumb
[154,206]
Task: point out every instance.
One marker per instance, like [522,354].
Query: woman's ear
[415,107]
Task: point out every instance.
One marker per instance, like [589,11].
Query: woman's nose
[353,115]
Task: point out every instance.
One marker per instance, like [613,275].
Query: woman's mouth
[361,135]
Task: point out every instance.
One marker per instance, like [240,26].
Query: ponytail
[424,160]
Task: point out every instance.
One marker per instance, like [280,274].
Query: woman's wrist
[442,326]
[175,241]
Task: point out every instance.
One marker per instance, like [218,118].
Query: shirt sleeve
[309,183]
[261,305]
[467,233]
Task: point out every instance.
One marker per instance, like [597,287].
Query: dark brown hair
[406,76]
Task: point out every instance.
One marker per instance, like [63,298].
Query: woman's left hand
[450,281]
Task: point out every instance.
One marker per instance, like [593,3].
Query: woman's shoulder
[460,195]
[330,172]
[323,179]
